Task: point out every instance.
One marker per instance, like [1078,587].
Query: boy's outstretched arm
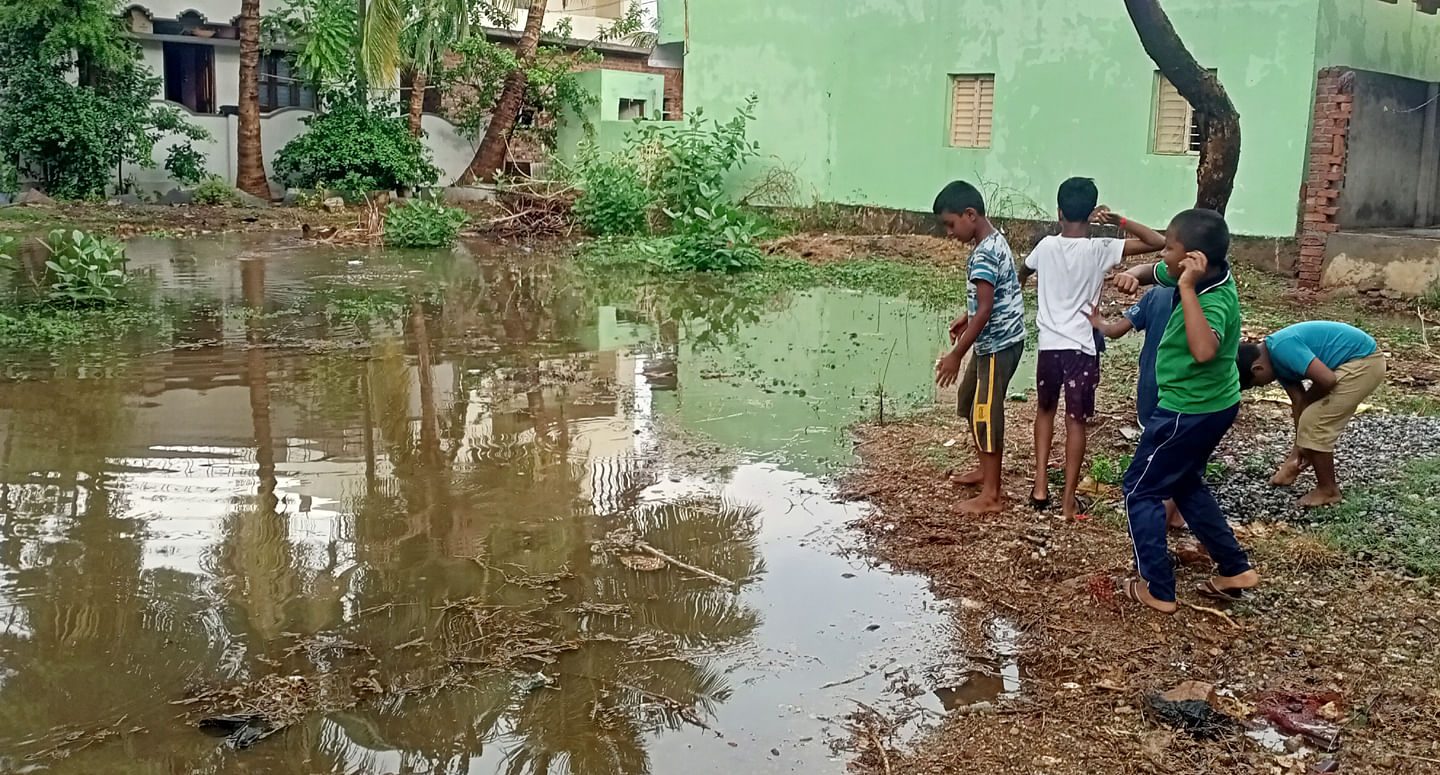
[1199,334]
[1133,279]
[1141,239]
[1114,330]
[947,371]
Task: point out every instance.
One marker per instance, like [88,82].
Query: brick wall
[1325,179]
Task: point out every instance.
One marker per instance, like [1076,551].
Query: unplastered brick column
[1334,104]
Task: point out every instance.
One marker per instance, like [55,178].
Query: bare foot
[1247,580]
[1288,473]
[1138,591]
[969,478]
[983,504]
[1317,497]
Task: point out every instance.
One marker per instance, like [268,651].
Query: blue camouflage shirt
[993,263]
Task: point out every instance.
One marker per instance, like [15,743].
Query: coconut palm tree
[491,154]
[250,157]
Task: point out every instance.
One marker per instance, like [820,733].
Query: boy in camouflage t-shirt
[994,325]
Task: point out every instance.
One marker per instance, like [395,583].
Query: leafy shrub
[355,147]
[216,192]
[719,239]
[615,200]
[73,137]
[185,164]
[683,171]
[423,223]
[697,157]
[85,270]
[9,178]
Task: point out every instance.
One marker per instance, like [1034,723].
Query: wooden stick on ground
[1216,612]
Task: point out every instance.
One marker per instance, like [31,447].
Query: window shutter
[972,111]
[1174,119]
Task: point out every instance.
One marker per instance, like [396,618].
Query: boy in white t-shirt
[1072,271]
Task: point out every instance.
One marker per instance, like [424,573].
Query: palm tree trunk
[1219,121]
[250,158]
[417,102]
[490,157]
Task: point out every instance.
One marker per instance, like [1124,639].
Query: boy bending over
[994,324]
[1344,367]
[1199,399]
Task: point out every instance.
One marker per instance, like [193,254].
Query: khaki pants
[1323,421]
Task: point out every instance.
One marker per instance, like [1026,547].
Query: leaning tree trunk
[417,102]
[250,159]
[1218,119]
[491,155]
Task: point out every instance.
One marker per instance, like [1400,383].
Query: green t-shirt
[1188,387]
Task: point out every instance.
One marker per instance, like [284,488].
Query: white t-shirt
[1072,272]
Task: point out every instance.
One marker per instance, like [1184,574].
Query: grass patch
[1396,523]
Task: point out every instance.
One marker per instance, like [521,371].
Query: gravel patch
[1373,448]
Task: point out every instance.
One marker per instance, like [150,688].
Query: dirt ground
[1323,624]
[130,220]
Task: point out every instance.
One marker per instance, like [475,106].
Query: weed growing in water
[85,270]
[423,223]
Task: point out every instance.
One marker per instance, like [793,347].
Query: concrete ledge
[1393,264]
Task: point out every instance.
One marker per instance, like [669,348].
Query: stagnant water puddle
[379,513]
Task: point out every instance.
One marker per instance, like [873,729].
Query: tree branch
[1216,114]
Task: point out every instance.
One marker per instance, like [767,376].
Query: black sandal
[1039,504]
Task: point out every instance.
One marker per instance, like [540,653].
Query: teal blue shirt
[1293,349]
[993,263]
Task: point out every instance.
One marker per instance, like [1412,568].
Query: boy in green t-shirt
[1199,399]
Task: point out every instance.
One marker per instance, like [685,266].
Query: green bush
[9,178]
[423,223]
[85,270]
[614,199]
[356,148]
[720,239]
[697,157]
[216,192]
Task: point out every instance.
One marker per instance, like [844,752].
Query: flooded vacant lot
[462,512]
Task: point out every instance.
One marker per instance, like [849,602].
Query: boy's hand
[1104,215]
[1192,268]
[958,327]
[1096,319]
[1127,283]
[947,369]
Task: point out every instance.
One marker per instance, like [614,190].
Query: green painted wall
[610,86]
[855,96]
[1371,35]
[671,28]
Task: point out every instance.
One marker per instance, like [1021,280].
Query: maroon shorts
[1073,371]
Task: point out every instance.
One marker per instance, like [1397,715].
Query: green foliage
[423,223]
[320,39]
[85,270]
[50,328]
[682,171]
[7,249]
[616,199]
[9,177]
[356,148]
[553,94]
[73,133]
[216,192]
[719,239]
[697,157]
[1108,470]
